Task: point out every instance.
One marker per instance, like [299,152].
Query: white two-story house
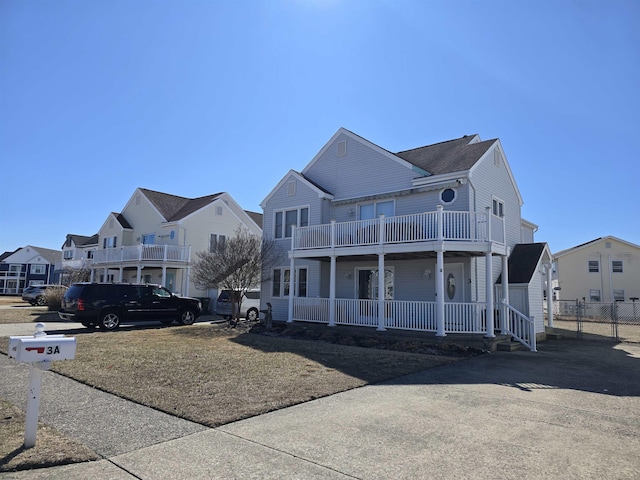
[156,236]
[439,221]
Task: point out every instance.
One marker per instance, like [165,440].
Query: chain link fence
[618,321]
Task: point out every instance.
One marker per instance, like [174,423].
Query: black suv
[107,305]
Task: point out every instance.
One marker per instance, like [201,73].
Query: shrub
[53,297]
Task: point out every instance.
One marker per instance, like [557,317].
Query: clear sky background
[192,98]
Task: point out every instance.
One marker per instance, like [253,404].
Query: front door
[453,282]
[367,279]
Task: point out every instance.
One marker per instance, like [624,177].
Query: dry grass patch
[15,310]
[213,375]
[52,448]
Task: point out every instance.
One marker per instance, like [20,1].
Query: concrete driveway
[572,410]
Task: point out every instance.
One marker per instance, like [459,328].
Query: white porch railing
[421,227]
[520,327]
[399,314]
[141,253]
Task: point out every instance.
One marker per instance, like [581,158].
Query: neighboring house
[440,221]
[27,266]
[603,270]
[157,235]
[77,252]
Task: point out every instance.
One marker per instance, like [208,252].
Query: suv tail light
[80,304]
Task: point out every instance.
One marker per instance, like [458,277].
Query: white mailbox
[47,348]
[38,350]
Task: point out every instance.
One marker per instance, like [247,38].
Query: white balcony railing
[421,227]
[141,253]
[398,314]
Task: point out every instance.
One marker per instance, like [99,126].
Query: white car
[249,309]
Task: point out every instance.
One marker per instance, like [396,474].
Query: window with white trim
[373,210]
[285,220]
[594,266]
[68,255]
[618,295]
[38,269]
[448,195]
[497,207]
[616,266]
[110,242]
[148,238]
[281,282]
[594,295]
[216,242]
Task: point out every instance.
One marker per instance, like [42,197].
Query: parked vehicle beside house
[108,305]
[249,308]
[37,294]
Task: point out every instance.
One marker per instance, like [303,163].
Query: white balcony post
[505,294]
[440,332]
[489,292]
[292,270]
[332,291]
[187,286]
[549,297]
[381,230]
[439,222]
[164,276]
[120,274]
[381,292]
[333,234]
[165,254]
[488,210]
[138,273]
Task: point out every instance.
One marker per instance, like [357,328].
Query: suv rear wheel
[109,321]
[187,317]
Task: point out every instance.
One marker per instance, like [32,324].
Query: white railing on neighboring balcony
[520,327]
[420,227]
[142,253]
[399,314]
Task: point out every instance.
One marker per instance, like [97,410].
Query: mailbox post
[38,351]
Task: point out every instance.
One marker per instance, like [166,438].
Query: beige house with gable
[603,270]
[156,237]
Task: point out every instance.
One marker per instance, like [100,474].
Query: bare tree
[237,266]
[74,275]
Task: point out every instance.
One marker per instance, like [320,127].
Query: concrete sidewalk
[572,410]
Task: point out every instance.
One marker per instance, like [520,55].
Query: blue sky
[191,98]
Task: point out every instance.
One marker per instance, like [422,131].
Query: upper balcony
[464,231]
[142,253]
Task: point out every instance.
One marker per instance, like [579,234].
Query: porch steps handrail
[520,327]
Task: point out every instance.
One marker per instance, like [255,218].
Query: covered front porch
[446,312]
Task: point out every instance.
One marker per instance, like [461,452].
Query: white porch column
[138,274]
[164,277]
[187,285]
[489,292]
[381,292]
[505,294]
[292,284]
[332,292]
[440,294]
[549,297]
[120,274]
[92,275]
[105,277]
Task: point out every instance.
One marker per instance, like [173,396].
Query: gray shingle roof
[256,217]
[446,157]
[80,240]
[173,207]
[523,261]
